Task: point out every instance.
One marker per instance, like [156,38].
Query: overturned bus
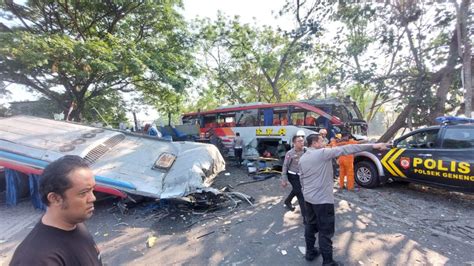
[124,164]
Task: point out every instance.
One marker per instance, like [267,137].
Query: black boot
[311,254]
[288,204]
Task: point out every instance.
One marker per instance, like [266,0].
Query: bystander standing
[60,237]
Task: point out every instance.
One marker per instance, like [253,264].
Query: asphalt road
[392,225]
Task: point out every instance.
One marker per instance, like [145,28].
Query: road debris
[124,224]
[212,232]
[302,250]
[151,241]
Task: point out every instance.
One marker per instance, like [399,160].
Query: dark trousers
[296,191]
[320,219]
[238,154]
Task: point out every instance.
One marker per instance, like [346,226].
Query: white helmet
[300,133]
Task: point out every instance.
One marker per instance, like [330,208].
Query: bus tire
[366,174]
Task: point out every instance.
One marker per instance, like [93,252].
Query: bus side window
[310,121]
[247,118]
[297,117]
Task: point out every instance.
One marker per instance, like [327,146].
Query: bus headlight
[165,161]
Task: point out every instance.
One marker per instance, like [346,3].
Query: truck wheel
[366,174]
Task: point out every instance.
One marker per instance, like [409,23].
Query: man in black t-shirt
[60,237]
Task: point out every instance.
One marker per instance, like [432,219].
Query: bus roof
[119,160]
[334,120]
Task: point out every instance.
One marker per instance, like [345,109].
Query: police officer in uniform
[317,182]
[290,173]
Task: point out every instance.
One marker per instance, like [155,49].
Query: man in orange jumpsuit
[346,162]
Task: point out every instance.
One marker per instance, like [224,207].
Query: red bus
[264,127]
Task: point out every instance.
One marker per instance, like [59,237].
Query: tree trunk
[135,120]
[447,75]
[76,114]
[399,123]
[463,29]
[370,116]
[421,75]
[467,69]
[402,117]
[276,92]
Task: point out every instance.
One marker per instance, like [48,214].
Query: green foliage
[386,54]
[93,48]
[244,63]
[362,96]
[108,108]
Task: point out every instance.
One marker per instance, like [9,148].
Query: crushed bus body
[122,162]
[267,127]
[347,111]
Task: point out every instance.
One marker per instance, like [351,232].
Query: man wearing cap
[290,173]
[317,187]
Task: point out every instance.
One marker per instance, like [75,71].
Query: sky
[250,11]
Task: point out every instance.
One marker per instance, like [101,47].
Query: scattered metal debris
[212,232]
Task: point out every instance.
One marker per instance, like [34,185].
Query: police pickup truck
[440,156]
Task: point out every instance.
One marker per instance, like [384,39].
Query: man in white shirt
[238,147]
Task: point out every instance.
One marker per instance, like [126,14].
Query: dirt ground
[396,224]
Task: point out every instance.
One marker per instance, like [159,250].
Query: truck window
[421,140]
[458,138]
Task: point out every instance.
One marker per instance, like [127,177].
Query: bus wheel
[366,174]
